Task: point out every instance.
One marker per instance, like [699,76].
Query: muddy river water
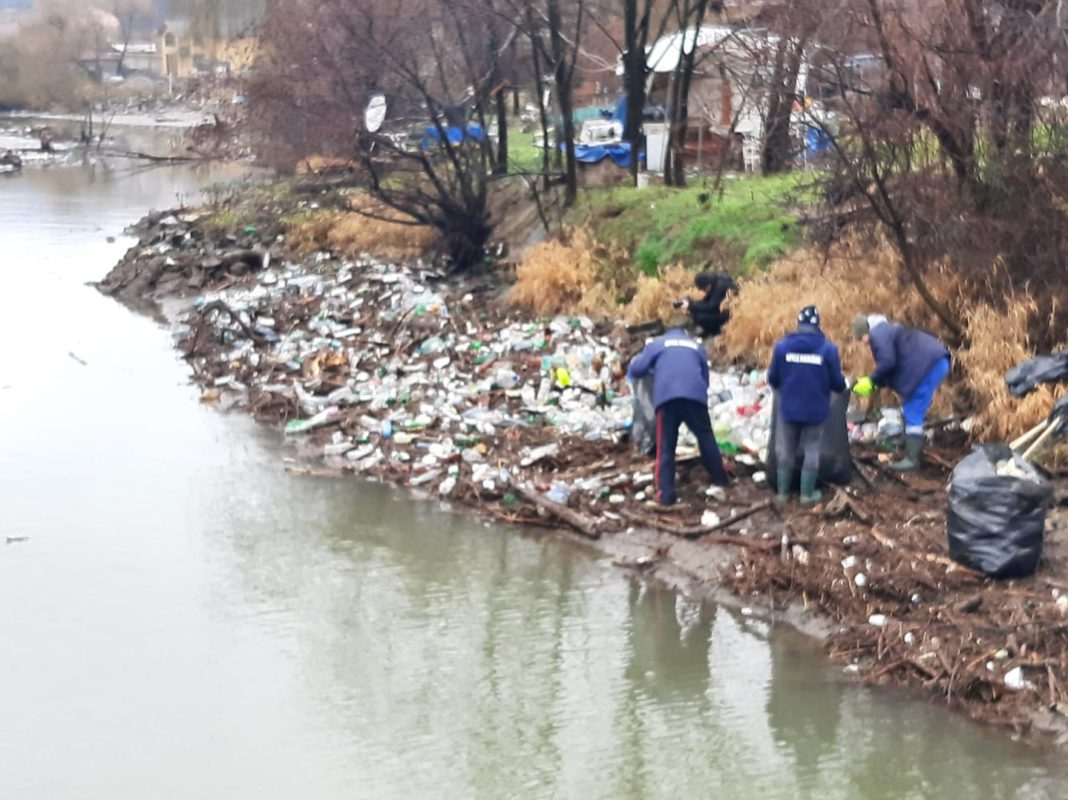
[180,618]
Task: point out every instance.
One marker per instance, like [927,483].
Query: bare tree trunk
[635,31]
[563,78]
[778,150]
[500,167]
[681,80]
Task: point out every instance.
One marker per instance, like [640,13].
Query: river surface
[185,620]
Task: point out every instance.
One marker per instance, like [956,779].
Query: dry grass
[558,276]
[384,234]
[319,163]
[654,296]
[578,275]
[381,231]
[997,341]
[309,233]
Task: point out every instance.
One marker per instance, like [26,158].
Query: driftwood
[133,154]
[862,472]
[738,517]
[703,532]
[842,502]
[589,528]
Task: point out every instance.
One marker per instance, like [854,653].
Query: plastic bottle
[387,428]
[559,493]
[505,378]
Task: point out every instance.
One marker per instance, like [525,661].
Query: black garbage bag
[643,427]
[1024,377]
[995,522]
[836,462]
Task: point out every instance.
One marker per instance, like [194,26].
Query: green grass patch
[747,225]
[523,155]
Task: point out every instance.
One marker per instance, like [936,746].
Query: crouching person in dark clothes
[805,369]
[680,394]
[707,313]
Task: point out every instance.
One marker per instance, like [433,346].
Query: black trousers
[669,417]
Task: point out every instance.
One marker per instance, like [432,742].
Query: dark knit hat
[860,326]
[809,315]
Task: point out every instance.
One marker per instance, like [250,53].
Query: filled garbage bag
[836,462]
[1024,377]
[643,427]
[997,513]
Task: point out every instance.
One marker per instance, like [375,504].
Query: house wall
[180,52]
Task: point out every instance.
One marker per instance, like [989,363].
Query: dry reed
[997,341]
[369,228]
[555,276]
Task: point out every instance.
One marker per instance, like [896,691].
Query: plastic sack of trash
[997,513]
[1024,377]
[643,428]
[836,462]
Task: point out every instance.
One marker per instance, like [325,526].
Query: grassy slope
[748,225]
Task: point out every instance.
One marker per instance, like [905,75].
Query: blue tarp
[454,134]
[817,140]
[619,152]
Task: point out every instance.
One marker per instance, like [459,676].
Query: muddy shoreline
[866,571]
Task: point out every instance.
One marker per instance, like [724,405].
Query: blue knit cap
[809,315]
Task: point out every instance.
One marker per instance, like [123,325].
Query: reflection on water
[186,620]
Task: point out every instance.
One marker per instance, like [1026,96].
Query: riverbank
[387,372]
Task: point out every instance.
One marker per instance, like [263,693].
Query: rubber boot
[913,451]
[782,485]
[809,493]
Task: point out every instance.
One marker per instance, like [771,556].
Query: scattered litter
[1014,679]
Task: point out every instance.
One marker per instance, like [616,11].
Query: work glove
[863,387]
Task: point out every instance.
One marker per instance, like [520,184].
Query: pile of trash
[369,366]
[178,255]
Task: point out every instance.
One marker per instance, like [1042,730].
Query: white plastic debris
[1015,681]
[717,493]
[860,579]
[877,620]
[709,519]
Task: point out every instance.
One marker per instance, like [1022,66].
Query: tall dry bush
[310,233]
[997,341]
[654,296]
[369,228]
[374,228]
[853,278]
[554,277]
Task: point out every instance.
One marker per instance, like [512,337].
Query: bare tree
[946,140]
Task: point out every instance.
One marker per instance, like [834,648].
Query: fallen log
[589,528]
[738,517]
[703,532]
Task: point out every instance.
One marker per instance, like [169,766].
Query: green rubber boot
[809,493]
[913,451]
[782,486]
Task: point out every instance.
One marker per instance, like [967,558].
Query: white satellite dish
[375,113]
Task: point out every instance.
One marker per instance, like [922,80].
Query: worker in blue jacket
[805,369]
[911,362]
[680,394]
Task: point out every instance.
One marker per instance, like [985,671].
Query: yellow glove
[863,387]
